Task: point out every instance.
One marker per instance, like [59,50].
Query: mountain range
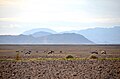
[48,36]
[98,35]
[66,38]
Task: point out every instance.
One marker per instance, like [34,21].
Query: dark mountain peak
[69,38]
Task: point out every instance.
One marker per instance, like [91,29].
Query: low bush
[93,57]
[69,56]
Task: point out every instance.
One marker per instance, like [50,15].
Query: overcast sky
[16,16]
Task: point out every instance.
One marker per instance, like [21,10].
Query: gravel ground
[60,69]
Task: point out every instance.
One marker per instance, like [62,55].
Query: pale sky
[16,16]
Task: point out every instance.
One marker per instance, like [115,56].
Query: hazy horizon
[17,16]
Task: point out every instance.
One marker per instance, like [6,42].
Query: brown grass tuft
[17,57]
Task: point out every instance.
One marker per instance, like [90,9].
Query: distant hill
[100,35]
[67,38]
[32,31]
[18,39]
[40,34]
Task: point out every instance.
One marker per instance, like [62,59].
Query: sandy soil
[83,69]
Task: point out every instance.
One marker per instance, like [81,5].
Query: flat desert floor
[59,61]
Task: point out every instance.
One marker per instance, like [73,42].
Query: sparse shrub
[69,56]
[103,52]
[17,57]
[93,57]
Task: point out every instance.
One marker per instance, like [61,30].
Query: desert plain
[59,61]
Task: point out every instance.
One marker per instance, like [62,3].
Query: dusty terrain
[84,68]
